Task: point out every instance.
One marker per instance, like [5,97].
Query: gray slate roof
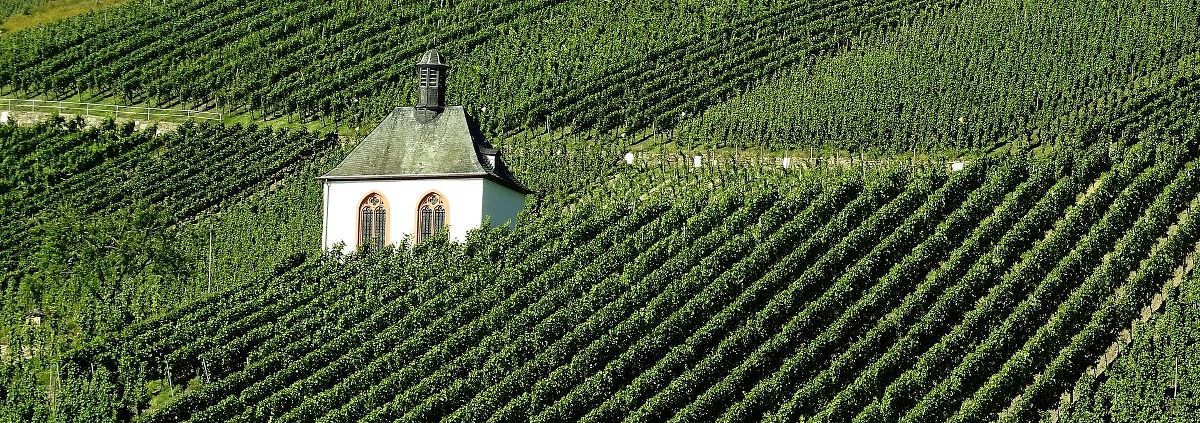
[404,146]
[433,57]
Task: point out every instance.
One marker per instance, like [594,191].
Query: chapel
[422,170]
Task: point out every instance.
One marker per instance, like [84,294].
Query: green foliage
[733,294]
[986,72]
[844,75]
[101,232]
[102,213]
[110,263]
[14,7]
[1154,380]
[178,275]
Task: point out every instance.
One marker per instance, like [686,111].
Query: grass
[53,10]
[162,394]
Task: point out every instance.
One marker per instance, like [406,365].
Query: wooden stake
[210,257]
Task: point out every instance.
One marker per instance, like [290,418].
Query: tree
[106,260]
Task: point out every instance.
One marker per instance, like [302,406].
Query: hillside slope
[732,295]
[100,224]
[840,74]
[178,277]
[1154,379]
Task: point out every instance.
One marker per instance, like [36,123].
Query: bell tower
[431,84]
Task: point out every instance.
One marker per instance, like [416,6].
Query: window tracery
[431,215]
[372,223]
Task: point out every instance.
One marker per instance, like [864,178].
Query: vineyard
[65,186]
[711,295]
[12,7]
[1150,383]
[840,74]
[788,246]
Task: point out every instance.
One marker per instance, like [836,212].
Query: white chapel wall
[501,204]
[464,199]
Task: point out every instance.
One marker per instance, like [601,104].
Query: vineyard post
[208,290]
[53,389]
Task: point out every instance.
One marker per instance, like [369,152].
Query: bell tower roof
[432,58]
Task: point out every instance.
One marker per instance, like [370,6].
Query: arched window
[431,215]
[372,221]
